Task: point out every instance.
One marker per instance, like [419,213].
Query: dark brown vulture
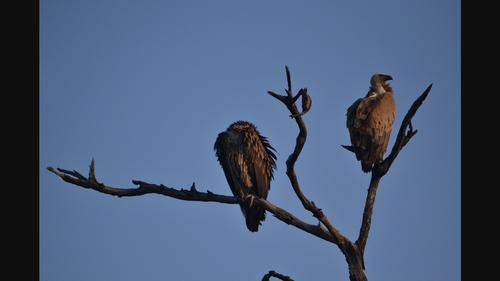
[370,120]
[248,161]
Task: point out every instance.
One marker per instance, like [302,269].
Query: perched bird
[370,120]
[248,161]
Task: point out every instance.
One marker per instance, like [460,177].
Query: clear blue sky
[144,87]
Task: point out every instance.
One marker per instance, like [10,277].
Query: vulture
[248,162]
[370,120]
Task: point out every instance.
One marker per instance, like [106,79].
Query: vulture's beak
[387,77]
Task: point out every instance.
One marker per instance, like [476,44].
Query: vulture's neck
[380,89]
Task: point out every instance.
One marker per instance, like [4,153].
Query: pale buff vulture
[370,120]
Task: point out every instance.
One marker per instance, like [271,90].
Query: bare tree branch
[144,188]
[403,138]
[367,216]
[275,274]
[191,194]
[379,170]
[289,102]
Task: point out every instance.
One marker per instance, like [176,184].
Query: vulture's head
[378,83]
[378,79]
[241,126]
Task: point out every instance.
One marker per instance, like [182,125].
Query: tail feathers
[366,166]
[254,217]
[348,147]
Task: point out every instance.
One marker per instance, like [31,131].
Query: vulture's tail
[254,216]
[366,166]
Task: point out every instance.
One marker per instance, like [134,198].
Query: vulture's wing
[351,113]
[367,105]
[234,166]
[261,165]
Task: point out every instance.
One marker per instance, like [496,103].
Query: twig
[275,274]
[403,138]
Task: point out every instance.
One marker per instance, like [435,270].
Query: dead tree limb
[289,101]
[191,194]
[349,249]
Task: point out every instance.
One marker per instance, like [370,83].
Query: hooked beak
[386,77]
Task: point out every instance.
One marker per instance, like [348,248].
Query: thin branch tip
[297,96]
[427,91]
[92,177]
[281,98]
[289,81]
[92,165]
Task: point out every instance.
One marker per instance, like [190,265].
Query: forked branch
[405,133]
[289,101]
